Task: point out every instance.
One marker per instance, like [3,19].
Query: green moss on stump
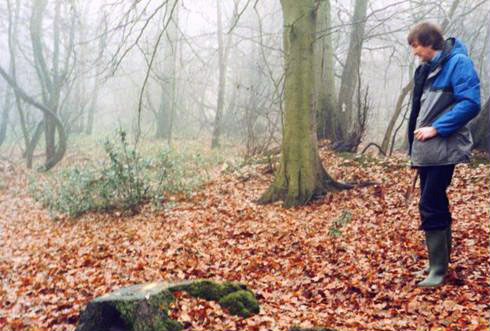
[207,289]
[145,307]
[235,297]
[241,303]
[150,316]
[135,308]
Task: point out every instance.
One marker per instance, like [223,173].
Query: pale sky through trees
[255,50]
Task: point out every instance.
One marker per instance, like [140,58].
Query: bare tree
[60,152]
[55,76]
[345,136]
[99,70]
[13,19]
[325,94]
[167,80]
[223,53]
[53,66]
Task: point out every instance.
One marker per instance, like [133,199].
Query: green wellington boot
[449,240]
[438,247]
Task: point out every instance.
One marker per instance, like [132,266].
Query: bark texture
[168,79]
[350,73]
[223,53]
[325,94]
[301,175]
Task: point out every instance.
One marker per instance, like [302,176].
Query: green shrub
[125,181]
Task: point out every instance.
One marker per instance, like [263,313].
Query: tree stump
[145,307]
[139,307]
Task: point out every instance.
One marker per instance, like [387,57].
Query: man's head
[425,39]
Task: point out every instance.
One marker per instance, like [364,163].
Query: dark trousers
[434,205]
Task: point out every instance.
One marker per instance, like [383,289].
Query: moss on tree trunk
[301,175]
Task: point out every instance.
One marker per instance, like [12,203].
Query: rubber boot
[437,246]
[449,240]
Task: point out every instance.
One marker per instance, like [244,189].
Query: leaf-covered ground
[305,267]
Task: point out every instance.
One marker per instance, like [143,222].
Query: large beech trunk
[301,175]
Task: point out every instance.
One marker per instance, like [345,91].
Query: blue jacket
[446,96]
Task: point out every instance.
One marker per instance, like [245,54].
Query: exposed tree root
[375,145]
[325,185]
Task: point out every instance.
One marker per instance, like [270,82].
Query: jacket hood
[452,47]
[456,47]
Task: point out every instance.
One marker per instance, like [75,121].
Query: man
[446,96]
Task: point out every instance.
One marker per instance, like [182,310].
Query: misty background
[209,71]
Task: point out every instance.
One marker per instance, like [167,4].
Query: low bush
[124,181]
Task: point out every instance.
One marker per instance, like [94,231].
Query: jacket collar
[439,59]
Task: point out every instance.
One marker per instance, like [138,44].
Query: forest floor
[345,261]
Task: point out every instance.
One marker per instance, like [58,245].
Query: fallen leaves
[361,280]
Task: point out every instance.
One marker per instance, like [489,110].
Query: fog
[174,70]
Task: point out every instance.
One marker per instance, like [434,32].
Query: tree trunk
[13,18]
[222,58]
[398,109]
[301,175]
[173,33]
[55,91]
[5,116]
[51,78]
[165,114]
[32,144]
[102,45]
[93,107]
[49,85]
[325,94]
[479,129]
[20,93]
[76,112]
[350,73]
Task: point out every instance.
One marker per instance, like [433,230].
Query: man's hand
[425,133]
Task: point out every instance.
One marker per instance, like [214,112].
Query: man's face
[424,53]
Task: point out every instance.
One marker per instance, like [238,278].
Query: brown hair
[426,34]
